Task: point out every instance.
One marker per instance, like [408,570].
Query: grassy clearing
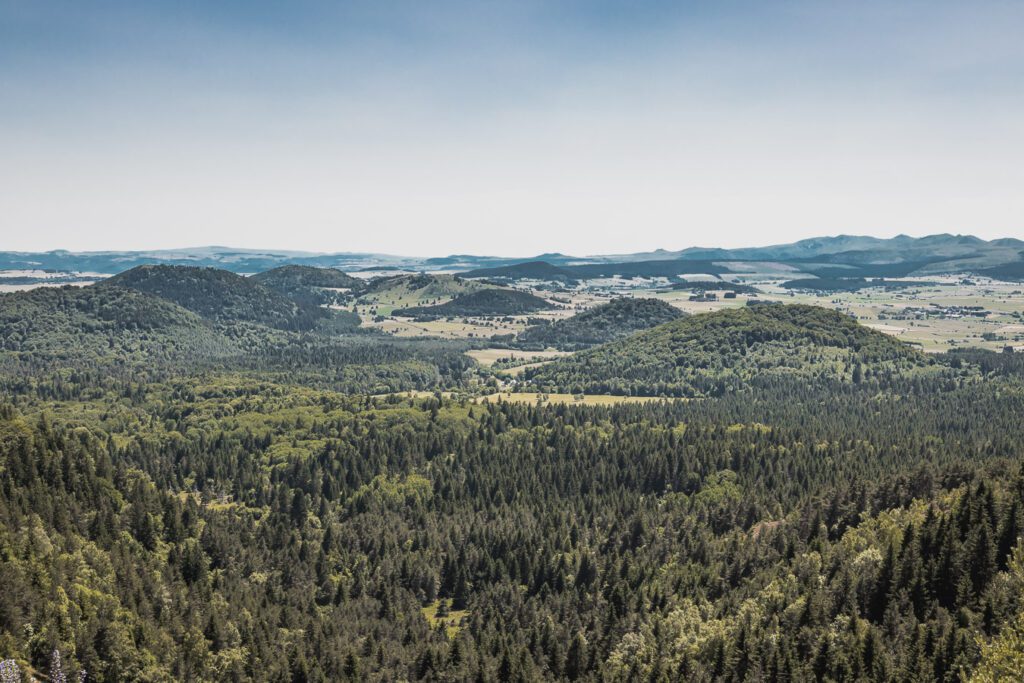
[578,399]
[487,357]
[452,619]
[457,328]
[874,307]
[416,394]
[411,290]
[518,370]
[531,397]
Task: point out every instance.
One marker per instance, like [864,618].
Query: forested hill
[305,276]
[305,283]
[82,325]
[312,288]
[218,295]
[420,287]
[487,302]
[70,341]
[710,354]
[606,322]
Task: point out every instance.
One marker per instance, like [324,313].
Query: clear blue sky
[506,127]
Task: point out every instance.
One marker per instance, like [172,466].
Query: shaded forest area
[236,530]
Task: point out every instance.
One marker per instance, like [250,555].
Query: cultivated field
[983,313]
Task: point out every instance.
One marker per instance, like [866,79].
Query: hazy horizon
[501,128]
[578,252]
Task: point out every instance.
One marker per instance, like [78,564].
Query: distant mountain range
[839,256]
[875,249]
[256,260]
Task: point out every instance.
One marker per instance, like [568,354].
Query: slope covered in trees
[72,340]
[713,353]
[285,278]
[72,325]
[422,287]
[311,287]
[387,294]
[241,530]
[487,302]
[307,285]
[528,270]
[855,513]
[603,323]
[218,295]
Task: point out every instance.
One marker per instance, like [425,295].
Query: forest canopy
[185,497]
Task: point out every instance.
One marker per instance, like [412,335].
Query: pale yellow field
[452,621]
[487,357]
[518,370]
[531,398]
[876,308]
[416,394]
[400,294]
[587,400]
[681,301]
[459,328]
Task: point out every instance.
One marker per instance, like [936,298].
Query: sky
[512,128]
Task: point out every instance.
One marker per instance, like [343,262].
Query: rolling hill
[714,353]
[861,256]
[88,324]
[488,302]
[264,506]
[384,294]
[614,320]
[529,270]
[218,295]
[290,278]
[312,287]
[861,249]
[227,258]
[838,256]
[113,333]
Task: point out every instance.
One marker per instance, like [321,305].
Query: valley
[947,314]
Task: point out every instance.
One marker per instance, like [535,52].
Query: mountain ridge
[940,253]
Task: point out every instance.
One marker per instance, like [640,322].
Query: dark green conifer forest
[189,494]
